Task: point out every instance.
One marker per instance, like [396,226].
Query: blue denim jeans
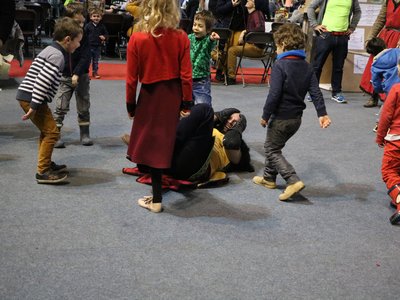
[326,43]
[202,91]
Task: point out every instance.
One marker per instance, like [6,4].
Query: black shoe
[57,168]
[59,144]
[230,81]
[50,177]
[219,76]
[395,218]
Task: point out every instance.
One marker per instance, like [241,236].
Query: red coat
[149,61]
[390,115]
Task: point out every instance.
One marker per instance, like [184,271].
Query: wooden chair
[225,35]
[28,21]
[113,23]
[267,58]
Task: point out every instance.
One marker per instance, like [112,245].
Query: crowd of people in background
[185,116]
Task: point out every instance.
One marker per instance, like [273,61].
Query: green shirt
[337,15]
[200,55]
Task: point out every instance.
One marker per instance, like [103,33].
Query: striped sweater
[43,78]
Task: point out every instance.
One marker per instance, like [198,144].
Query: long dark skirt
[154,126]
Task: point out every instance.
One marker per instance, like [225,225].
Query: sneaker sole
[49,181]
[341,102]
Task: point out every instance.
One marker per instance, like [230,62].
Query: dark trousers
[95,56]
[326,43]
[193,142]
[278,133]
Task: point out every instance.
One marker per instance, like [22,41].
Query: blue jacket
[384,70]
[291,78]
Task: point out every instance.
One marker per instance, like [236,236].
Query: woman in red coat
[387,27]
[159,57]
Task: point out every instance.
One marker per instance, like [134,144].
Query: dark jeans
[278,133]
[95,56]
[326,43]
[193,142]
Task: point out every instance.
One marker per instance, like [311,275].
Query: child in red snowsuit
[388,136]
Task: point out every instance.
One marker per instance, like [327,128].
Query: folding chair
[268,57]
[225,35]
[28,22]
[113,23]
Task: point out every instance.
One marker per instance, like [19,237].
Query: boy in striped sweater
[39,87]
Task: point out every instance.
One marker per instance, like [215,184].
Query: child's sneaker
[50,177]
[375,129]
[57,168]
[339,98]
[147,202]
[265,183]
[291,189]
[96,76]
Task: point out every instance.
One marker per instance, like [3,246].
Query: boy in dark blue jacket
[291,78]
[97,33]
[75,78]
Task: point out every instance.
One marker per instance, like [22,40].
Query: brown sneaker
[291,190]
[372,102]
[126,138]
[265,183]
[147,202]
[50,177]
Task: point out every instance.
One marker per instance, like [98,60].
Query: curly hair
[290,37]
[157,14]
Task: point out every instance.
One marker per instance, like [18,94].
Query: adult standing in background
[337,20]
[387,27]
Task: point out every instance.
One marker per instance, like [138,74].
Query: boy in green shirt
[202,41]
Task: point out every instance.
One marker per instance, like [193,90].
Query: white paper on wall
[356,41]
[360,61]
[369,12]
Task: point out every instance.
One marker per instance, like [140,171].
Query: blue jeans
[95,56]
[326,43]
[202,91]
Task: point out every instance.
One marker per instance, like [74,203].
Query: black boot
[85,137]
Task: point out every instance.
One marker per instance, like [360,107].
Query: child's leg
[391,169]
[82,106]
[278,133]
[49,134]
[62,99]
[95,59]
[153,203]
[202,91]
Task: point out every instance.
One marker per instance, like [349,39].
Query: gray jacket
[354,17]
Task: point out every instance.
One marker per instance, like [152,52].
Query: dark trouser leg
[321,53]
[193,141]
[339,54]
[279,132]
[156,184]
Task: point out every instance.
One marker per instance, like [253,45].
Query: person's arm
[376,79]
[275,92]
[132,65]
[186,74]
[387,113]
[379,23]
[312,16]
[355,17]
[84,56]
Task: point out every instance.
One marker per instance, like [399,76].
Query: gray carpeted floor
[89,240]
